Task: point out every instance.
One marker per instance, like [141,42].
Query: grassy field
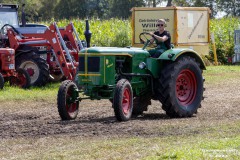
[209,146]
[219,139]
[14,93]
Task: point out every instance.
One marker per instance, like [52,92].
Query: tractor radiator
[89,64]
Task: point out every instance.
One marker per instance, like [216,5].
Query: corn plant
[112,33]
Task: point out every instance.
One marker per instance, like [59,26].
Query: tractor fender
[175,53]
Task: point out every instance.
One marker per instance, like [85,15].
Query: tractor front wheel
[67,100]
[22,79]
[123,100]
[181,87]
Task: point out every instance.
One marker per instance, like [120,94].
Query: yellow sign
[145,21]
[188,26]
[192,26]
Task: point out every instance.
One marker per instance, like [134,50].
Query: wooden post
[214,50]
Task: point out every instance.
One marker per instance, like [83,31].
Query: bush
[223,30]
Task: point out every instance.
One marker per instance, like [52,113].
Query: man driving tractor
[162,38]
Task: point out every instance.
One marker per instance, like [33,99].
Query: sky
[220,14]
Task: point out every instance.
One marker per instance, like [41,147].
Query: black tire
[1,81]
[68,104]
[36,67]
[140,104]
[22,79]
[123,100]
[180,88]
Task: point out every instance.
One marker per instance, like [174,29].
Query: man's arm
[160,39]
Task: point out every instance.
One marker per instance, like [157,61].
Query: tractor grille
[93,64]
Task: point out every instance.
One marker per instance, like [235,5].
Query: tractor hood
[128,51]
[32,30]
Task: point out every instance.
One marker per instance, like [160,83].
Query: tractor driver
[162,39]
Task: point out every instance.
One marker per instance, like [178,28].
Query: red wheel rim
[70,106]
[186,87]
[126,101]
[30,71]
[20,80]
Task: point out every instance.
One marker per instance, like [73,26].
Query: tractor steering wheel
[3,30]
[145,38]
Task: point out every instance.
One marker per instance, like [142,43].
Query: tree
[169,3]
[10,1]
[230,7]
[182,3]
[98,8]
[31,8]
[42,10]
[67,9]
[87,8]
[46,12]
[153,3]
[121,8]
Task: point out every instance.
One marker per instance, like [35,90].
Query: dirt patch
[96,118]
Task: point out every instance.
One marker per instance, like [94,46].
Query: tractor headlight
[142,65]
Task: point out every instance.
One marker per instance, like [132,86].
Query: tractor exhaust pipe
[87,34]
[23,15]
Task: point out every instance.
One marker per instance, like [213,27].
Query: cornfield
[112,33]
[117,33]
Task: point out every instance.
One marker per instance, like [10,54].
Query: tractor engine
[7,59]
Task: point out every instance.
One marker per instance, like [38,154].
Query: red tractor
[61,50]
[17,77]
[44,52]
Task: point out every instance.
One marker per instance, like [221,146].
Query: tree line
[45,10]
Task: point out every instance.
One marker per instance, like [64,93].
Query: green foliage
[44,10]
[118,33]
[111,33]
[121,8]
[223,30]
[231,8]
[9,93]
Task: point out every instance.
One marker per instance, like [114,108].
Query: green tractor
[130,78]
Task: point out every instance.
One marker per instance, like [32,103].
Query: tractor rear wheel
[123,100]
[67,100]
[181,88]
[1,81]
[36,67]
[22,79]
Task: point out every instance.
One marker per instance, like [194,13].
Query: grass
[221,74]
[14,93]
[207,146]
[213,142]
